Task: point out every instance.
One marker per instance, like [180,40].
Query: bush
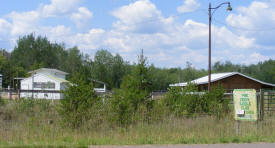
[78,99]
[189,101]
[217,105]
[173,100]
[185,102]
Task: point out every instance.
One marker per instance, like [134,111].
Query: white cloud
[256,15]
[141,16]
[172,47]
[188,6]
[26,22]
[82,18]
[59,7]
[257,20]
[58,33]
[16,24]
[140,25]
[89,41]
[23,23]
[4,26]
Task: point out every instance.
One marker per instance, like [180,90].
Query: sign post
[245,106]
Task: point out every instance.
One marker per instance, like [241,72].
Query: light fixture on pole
[229,8]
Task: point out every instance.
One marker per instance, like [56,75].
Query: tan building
[229,80]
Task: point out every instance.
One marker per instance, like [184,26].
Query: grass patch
[41,127]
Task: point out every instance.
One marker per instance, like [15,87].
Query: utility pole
[209,49]
[209,43]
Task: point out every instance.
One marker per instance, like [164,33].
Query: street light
[229,8]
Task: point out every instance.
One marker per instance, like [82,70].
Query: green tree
[109,69]
[31,49]
[134,93]
[78,99]
[102,67]
[119,70]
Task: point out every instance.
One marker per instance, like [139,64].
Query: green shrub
[217,105]
[185,102]
[192,100]
[173,99]
[189,101]
[78,99]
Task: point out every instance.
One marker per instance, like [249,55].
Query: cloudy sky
[171,32]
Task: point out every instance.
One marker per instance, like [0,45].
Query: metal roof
[48,69]
[219,76]
[100,82]
[56,78]
[49,76]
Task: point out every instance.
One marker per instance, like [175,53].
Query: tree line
[32,52]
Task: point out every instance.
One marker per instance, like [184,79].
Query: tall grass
[37,123]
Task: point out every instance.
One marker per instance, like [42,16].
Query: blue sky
[171,32]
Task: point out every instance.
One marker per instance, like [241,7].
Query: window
[44,85]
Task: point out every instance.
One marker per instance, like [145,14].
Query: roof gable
[49,70]
[56,79]
[218,76]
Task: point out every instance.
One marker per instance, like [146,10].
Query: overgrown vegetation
[36,126]
[189,101]
[129,115]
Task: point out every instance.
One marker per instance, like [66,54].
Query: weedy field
[37,123]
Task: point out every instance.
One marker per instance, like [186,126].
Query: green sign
[245,104]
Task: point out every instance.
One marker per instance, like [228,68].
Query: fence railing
[19,93]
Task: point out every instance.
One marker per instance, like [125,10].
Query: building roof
[48,69]
[219,76]
[56,78]
[49,76]
[100,82]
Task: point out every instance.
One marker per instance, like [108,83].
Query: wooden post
[257,126]
[237,127]
[262,104]
[9,92]
[18,93]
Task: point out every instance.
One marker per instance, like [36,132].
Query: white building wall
[26,84]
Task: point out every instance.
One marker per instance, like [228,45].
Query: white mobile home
[44,79]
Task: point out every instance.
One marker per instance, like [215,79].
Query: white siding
[26,84]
